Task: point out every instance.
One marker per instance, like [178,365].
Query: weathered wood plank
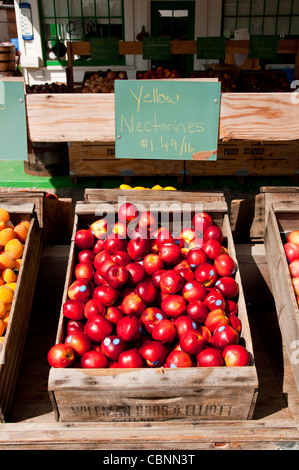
[159,436]
[282,218]
[84,117]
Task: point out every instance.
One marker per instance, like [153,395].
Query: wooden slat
[286,46]
[161,436]
[84,117]
[216,197]
[124,167]
[283,217]
[258,116]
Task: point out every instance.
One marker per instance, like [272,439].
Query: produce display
[102,82]
[263,81]
[226,77]
[156,187]
[142,296]
[159,73]
[47,88]
[291,248]
[12,240]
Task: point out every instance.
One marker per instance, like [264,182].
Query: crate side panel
[285,300]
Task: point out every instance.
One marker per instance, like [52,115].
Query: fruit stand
[242,151]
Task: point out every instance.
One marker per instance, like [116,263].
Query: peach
[6,235]
[6,294]
[2,308]
[9,275]
[5,319]
[6,261]
[2,327]
[14,248]
[4,214]
[18,263]
[21,232]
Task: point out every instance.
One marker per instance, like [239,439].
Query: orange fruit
[2,308]
[6,261]
[6,235]
[5,318]
[4,214]
[8,309]
[9,275]
[2,327]
[17,265]
[26,223]
[2,224]
[12,285]
[6,294]
[14,248]
[21,232]
[1,280]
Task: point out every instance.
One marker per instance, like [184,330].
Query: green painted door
[176,20]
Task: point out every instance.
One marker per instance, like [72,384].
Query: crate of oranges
[20,250]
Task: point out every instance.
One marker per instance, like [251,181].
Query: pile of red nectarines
[144,297]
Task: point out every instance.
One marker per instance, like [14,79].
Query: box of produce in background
[21,245]
[282,251]
[264,81]
[101,81]
[144,379]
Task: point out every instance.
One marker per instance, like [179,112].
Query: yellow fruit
[125,186]
[6,294]
[9,275]
[169,188]
[157,187]
[138,187]
[12,285]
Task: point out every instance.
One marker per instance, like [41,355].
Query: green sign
[104,49]
[211,48]
[263,47]
[13,130]
[167,119]
[156,48]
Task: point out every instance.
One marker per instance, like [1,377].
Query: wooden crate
[248,216]
[158,394]
[98,159]
[283,218]
[234,158]
[11,353]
